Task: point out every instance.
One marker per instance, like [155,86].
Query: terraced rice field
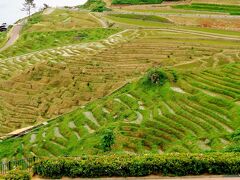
[62,20]
[195,114]
[45,84]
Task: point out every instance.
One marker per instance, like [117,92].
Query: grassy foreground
[140,165]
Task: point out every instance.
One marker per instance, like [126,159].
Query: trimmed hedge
[17,175]
[140,165]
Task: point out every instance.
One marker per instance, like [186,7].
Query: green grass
[3,38]
[152,18]
[170,11]
[138,22]
[230,9]
[35,41]
[143,23]
[145,118]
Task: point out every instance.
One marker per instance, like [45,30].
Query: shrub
[157,76]
[95,5]
[107,140]
[17,175]
[179,164]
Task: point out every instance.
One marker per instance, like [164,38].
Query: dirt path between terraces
[13,35]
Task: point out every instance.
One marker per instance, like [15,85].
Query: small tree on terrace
[28,5]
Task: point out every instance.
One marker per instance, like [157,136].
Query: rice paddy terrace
[44,84]
[195,113]
[70,91]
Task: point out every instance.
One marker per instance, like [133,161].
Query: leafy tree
[28,5]
[157,76]
[95,5]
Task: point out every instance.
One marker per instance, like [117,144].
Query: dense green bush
[17,175]
[179,164]
[95,5]
[136,1]
[107,140]
[157,76]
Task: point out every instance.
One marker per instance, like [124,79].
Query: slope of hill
[54,81]
[191,112]
[76,82]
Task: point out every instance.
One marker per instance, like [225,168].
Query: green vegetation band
[140,165]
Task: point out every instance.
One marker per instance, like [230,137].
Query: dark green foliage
[235,145]
[137,1]
[235,136]
[157,77]
[231,9]
[143,17]
[95,5]
[107,140]
[175,76]
[17,175]
[140,165]
[160,77]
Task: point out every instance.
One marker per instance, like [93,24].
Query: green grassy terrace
[191,112]
[230,9]
[35,41]
[151,18]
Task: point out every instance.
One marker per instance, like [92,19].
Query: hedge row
[17,175]
[140,165]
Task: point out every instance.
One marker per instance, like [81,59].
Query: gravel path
[13,35]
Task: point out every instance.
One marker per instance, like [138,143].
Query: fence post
[9,165]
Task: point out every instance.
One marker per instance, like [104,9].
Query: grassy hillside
[180,112]
[230,9]
[149,84]
[150,18]
[35,41]
[45,84]
[61,20]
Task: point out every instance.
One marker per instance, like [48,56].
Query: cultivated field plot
[231,9]
[195,114]
[61,20]
[36,41]
[48,83]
